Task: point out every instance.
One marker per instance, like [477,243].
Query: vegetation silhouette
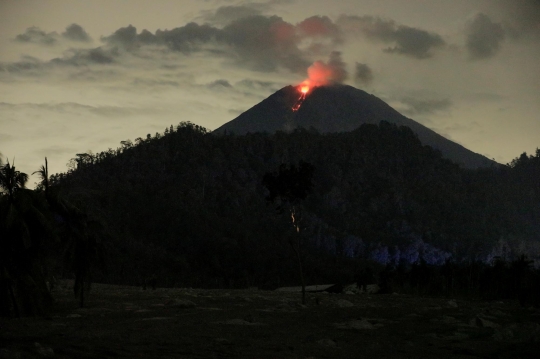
[190,208]
[288,187]
[40,235]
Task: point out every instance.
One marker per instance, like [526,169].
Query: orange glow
[303,89]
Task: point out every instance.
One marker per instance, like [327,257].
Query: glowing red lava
[304,89]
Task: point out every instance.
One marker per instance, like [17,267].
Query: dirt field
[127,322]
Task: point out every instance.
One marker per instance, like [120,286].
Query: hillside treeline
[189,207]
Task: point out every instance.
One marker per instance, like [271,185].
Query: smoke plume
[331,72]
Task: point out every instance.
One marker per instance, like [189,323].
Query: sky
[79,76]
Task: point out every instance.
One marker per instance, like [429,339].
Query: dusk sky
[78,76]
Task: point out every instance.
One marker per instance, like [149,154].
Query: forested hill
[191,206]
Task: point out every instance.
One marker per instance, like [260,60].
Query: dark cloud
[258,42]
[227,14]
[363,74]
[419,106]
[187,38]
[256,85]
[79,57]
[415,42]
[184,39]
[484,37]
[264,43]
[319,26]
[220,84]
[373,28]
[75,32]
[27,64]
[37,36]
[146,37]
[521,17]
[408,41]
[124,36]
[146,83]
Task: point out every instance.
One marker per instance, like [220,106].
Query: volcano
[340,108]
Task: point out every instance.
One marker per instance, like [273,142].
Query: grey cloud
[219,84]
[257,85]
[226,14]
[236,112]
[363,74]
[146,37]
[484,97]
[125,36]
[77,108]
[418,106]
[373,28]
[484,37]
[184,39]
[155,83]
[258,42]
[75,32]
[264,43]
[187,38]
[521,17]
[27,64]
[37,36]
[80,57]
[408,41]
[339,68]
[56,150]
[415,42]
[319,26]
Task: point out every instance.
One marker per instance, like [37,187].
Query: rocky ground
[127,322]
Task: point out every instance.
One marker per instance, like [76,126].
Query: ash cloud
[484,37]
[35,35]
[363,74]
[75,32]
[409,41]
[332,72]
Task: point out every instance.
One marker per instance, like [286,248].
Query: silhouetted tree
[288,187]
[25,231]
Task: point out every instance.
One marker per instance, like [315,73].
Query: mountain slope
[340,108]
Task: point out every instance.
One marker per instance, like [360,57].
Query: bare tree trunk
[300,267]
[14,301]
[82,294]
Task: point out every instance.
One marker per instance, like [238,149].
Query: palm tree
[11,180]
[43,174]
[24,228]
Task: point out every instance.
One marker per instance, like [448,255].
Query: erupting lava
[304,89]
[321,74]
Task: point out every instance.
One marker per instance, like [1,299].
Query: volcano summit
[340,108]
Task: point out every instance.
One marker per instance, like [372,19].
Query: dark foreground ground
[126,322]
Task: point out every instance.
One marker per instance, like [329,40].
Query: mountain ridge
[340,108]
